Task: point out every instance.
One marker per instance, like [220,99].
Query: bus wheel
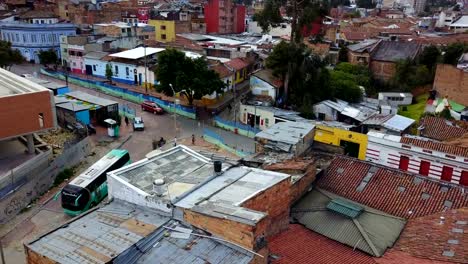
[92,205]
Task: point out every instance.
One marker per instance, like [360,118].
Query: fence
[236,127]
[125,110]
[216,139]
[125,94]
[35,177]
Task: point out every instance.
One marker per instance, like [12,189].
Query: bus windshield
[74,198]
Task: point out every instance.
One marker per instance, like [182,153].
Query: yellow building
[164,30]
[239,66]
[354,144]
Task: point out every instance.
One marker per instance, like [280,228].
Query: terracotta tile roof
[298,245]
[390,190]
[222,70]
[433,145]
[440,129]
[393,256]
[429,236]
[237,64]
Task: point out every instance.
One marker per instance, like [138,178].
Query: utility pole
[2,256]
[146,66]
[175,115]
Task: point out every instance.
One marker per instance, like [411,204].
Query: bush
[62,176]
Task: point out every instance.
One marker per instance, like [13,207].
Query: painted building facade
[30,39]
[224,17]
[164,30]
[419,155]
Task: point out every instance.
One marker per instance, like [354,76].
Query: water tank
[218,166]
[158,187]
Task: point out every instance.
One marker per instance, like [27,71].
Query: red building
[224,17]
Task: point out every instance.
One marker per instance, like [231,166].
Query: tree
[368,4]
[191,77]
[345,86]
[410,75]
[343,54]
[453,53]
[9,56]
[47,57]
[109,72]
[429,57]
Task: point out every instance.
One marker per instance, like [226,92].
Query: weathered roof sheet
[73,106]
[361,227]
[237,64]
[395,51]
[99,236]
[398,123]
[286,132]
[377,120]
[366,45]
[390,190]
[440,129]
[90,98]
[136,53]
[12,84]
[267,76]
[299,245]
[96,55]
[434,145]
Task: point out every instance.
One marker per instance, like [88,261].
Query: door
[139,79]
[350,148]
[89,69]
[404,163]
[424,167]
[464,178]
[447,173]
[135,79]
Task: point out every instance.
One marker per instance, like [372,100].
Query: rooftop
[267,76]
[398,123]
[434,145]
[364,46]
[85,97]
[224,195]
[47,84]
[286,132]
[12,84]
[299,245]
[237,64]
[38,14]
[97,55]
[395,50]
[389,190]
[358,226]
[440,129]
[461,22]
[136,53]
[181,168]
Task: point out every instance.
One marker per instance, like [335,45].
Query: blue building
[29,39]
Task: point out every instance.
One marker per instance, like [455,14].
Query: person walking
[126,120]
[193,139]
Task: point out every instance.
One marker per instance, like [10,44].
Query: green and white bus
[90,187]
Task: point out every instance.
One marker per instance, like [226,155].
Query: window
[116,71]
[42,21]
[79,54]
[43,38]
[17,37]
[24,38]
[123,30]
[94,67]
[447,173]
[404,162]
[41,120]
[50,37]
[321,116]
[464,178]
[33,39]
[129,30]
[127,71]
[163,36]
[163,27]
[424,167]
[267,122]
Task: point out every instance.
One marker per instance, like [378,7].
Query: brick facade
[358,58]
[383,70]
[453,82]
[20,114]
[34,258]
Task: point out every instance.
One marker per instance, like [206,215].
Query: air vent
[344,208]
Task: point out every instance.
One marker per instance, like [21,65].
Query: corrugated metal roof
[287,132]
[90,98]
[371,231]
[74,106]
[99,236]
[398,123]
[343,207]
[97,55]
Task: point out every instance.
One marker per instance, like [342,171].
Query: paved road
[156,126]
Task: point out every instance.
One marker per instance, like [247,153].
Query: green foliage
[345,86]
[365,4]
[336,3]
[62,176]
[109,72]
[9,56]
[361,75]
[416,110]
[453,53]
[190,77]
[47,57]
[279,58]
[269,16]
[343,54]
[410,75]
[446,114]
[429,57]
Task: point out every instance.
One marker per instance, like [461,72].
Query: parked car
[138,123]
[151,107]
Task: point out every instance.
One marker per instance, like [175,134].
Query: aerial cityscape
[234,131]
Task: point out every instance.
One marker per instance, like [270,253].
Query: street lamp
[175,116]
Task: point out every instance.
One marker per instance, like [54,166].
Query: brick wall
[383,70]
[239,233]
[453,82]
[274,202]
[20,114]
[353,58]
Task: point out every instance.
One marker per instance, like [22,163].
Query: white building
[283,29]
[396,99]
[460,25]
[419,155]
[263,117]
[264,83]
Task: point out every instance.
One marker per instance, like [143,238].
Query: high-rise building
[419,6]
[224,17]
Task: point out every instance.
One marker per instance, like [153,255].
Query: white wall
[330,113]
[388,153]
[149,74]
[260,87]
[265,115]
[283,30]
[100,66]
[121,190]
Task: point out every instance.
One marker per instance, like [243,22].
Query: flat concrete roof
[136,53]
[12,84]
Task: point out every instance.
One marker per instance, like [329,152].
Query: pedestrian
[175,141]
[193,139]
[126,120]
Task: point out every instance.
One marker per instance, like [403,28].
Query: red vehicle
[151,107]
